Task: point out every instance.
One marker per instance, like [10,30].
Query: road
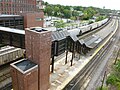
[99,73]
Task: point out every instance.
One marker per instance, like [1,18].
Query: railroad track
[78,83]
[92,68]
[7,87]
[5,76]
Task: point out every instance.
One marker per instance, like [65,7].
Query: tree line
[73,12]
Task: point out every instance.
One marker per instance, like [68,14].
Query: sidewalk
[63,74]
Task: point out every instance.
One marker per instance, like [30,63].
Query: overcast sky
[109,4]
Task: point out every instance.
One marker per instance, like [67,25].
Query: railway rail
[4,75]
[7,87]
[85,73]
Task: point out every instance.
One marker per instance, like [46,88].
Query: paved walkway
[63,74]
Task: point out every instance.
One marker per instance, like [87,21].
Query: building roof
[59,35]
[74,38]
[25,65]
[12,30]
[91,41]
[5,15]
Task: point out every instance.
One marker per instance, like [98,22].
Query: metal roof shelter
[59,35]
[74,38]
[91,41]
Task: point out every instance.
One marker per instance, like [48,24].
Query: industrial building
[12,21]
[25,74]
[17,6]
[31,10]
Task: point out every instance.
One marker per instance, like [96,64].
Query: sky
[109,4]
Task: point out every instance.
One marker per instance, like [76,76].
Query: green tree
[45,3]
[67,13]
[62,11]
[75,14]
[59,24]
[56,11]
[114,78]
[89,12]
[72,18]
[100,18]
[103,88]
[48,10]
[117,66]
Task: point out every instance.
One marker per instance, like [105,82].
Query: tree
[75,14]
[100,18]
[72,18]
[114,78]
[59,24]
[56,11]
[103,88]
[117,66]
[67,13]
[48,10]
[46,3]
[88,13]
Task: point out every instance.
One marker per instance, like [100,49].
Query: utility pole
[117,56]
[103,80]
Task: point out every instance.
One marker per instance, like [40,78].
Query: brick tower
[38,50]
[24,75]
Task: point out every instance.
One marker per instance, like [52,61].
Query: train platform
[64,73]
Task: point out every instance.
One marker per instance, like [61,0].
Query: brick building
[24,7]
[17,6]
[33,73]
[12,21]
[38,50]
[24,75]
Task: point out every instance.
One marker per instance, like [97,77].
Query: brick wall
[33,19]
[38,49]
[27,81]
